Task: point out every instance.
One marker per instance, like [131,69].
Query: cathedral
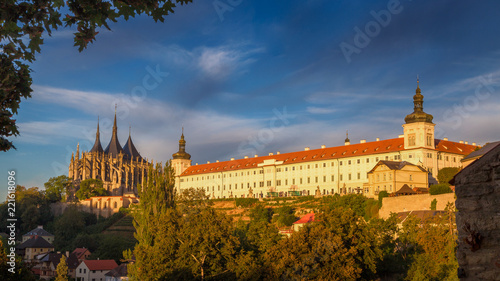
[121,169]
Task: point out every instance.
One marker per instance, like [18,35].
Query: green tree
[25,23]
[67,227]
[156,223]
[261,213]
[381,195]
[286,216]
[62,270]
[436,189]
[434,204]
[56,188]
[21,270]
[90,188]
[338,246]
[446,174]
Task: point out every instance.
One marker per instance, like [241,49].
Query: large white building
[327,170]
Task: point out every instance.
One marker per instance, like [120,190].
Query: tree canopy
[56,188]
[24,24]
[90,188]
[445,175]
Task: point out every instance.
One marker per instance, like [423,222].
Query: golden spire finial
[115,108]
[417,81]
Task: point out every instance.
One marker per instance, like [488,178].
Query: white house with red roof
[94,270]
[338,169]
[309,218]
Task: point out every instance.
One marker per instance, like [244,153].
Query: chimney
[196,164]
[466,142]
[401,136]
[377,139]
[323,146]
[307,148]
[446,139]
[270,154]
[461,142]
[256,156]
[347,143]
[216,161]
[208,162]
[362,141]
[232,158]
[474,144]
[277,153]
[246,157]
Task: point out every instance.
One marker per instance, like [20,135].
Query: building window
[308,166]
[340,163]
[411,139]
[385,178]
[300,180]
[316,179]
[359,176]
[333,178]
[324,178]
[324,165]
[261,171]
[359,161]
[349,177]
[429,140]
[261,184]
[367,160]
[376,159]
[333,163]
[286,182]
[341,177]
[268,183]
[293,181]
[316,166]
[349,162]
[308,180]
[278,182]
[278,170]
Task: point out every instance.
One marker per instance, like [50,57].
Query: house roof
[478,153]
[100,264]
[423,215]
[119,271]
[39,231]
[338,152]
[79,252]
[35,242]
[55,258]
[305,219]
[405,189]
[395,165]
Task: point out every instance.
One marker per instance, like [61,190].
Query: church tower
[181,160]
[418,127]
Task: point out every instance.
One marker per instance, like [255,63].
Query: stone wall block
[468,205]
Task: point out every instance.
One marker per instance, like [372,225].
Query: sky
[253,77]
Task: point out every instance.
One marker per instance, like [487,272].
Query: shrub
[440,189]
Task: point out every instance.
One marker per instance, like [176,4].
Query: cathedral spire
[97,144]
[114,148]
[129,147]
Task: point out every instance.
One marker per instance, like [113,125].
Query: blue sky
[253,77]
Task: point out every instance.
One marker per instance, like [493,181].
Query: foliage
[110,247]
[434,204]
[261,213]
[245,202]
[435,256]
[56,188]
[24,24]
[362,206]
[62,270]
[339,246]
[436,189]
[22,270]
[445,175]
[192,197]
[286,216]
[90,188]
[67,227]
[381,195]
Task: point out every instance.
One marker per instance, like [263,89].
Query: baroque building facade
[121,169]
[327,170]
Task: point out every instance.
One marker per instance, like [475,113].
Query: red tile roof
[100,264]
[80,251]
[305,219]
[338,152]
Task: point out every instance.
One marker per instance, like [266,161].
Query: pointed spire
[347,141]
[97,144]
[129,147]
[114,147]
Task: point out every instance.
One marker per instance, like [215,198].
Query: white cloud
[320,110]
